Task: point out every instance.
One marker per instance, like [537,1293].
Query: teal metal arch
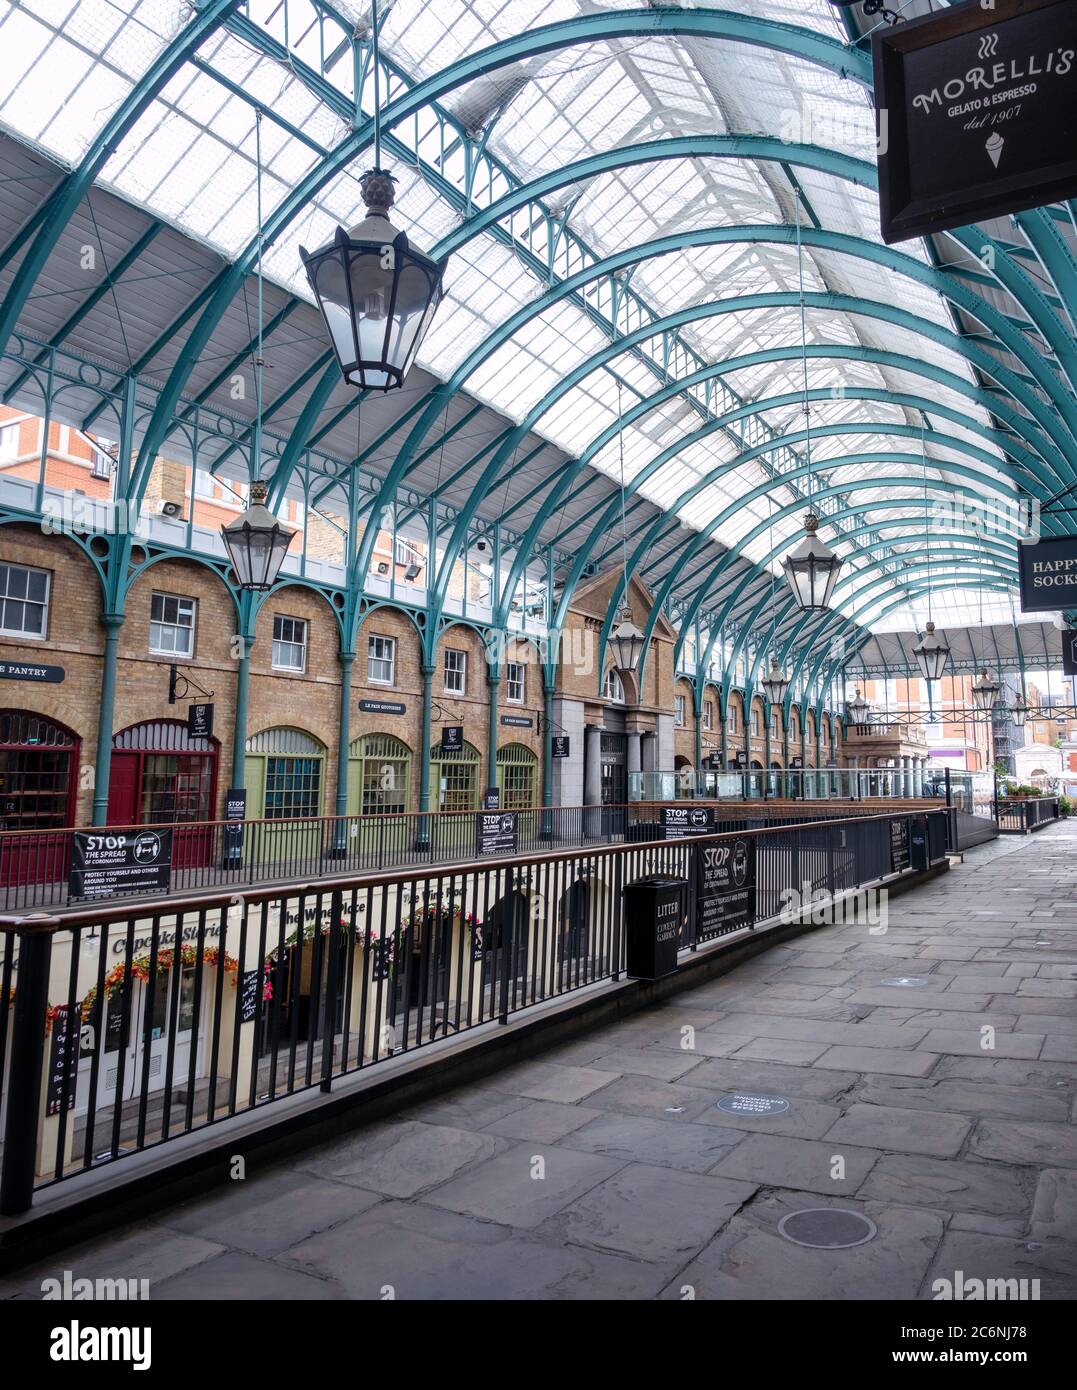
[700,538]
[705,237]
[803,43]
[209,16]
[820,351]
[842,166]
[919,587]
[609,513]
[651,535]
[935,570]
[808,627]
[759,530]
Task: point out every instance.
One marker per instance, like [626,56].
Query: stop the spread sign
[725,887]
[124,861]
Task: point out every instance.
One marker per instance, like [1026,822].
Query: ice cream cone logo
[993,146]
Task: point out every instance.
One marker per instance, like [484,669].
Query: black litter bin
[655,909]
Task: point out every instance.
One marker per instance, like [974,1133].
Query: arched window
[38,768]
[285,774]
[379,775]
[613,688]
[516,765]
[456,777]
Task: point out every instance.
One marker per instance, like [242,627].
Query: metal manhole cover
[827,1228]
[906,981]
[739,1104]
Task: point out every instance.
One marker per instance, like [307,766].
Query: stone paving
[943,1111]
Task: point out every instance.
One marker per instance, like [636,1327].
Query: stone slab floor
[942,1110]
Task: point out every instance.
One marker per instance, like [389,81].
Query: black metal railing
[1025,814]
[124,1028]
[36,866]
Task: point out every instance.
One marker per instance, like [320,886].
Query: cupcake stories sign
[979,110]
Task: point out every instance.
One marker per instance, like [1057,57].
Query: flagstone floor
[940,1107]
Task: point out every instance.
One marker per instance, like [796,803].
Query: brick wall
[307,700]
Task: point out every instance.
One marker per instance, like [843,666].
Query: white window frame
[515,682]
[454,671]
[613,687]
[405,553]
[679,711]
[9,440]
[304,627]
[708,715]
[384,654]
[190,628]
[43,604]
[731,719]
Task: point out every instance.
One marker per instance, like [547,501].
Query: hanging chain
[624,516]
[259,360]
[376,51]
[927,509]
[804,349]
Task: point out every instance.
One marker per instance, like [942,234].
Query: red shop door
[161,781]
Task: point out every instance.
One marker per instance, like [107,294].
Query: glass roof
[191,160]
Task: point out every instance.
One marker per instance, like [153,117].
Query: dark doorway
[509,937]
[614,755]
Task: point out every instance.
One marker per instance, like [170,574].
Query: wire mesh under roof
[191,161]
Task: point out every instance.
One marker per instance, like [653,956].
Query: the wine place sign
[976,112]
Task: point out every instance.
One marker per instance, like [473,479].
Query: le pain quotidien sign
[976,113]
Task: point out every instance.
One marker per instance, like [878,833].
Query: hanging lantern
[626,642]
[776,683]
[984,692]
[931,655]
[1020,710]
[857,711]
[377,294]
[812,568]
[257,542]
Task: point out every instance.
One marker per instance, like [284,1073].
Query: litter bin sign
[655,910]
[918,852]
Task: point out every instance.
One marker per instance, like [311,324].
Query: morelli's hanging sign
[1048,571]
[977,114]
